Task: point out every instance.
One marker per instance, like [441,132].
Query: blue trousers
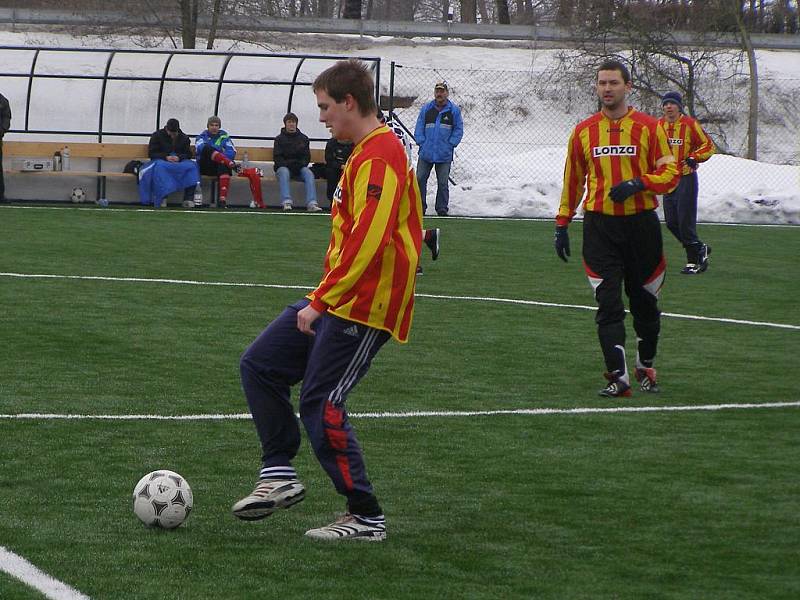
[680,214]
[284,176]
[329,364]
[442,185]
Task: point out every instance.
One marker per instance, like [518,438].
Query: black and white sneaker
[352,527]
[616,387]
[433,243]
[702,258]
[270,495]
[646,376]
[690,269]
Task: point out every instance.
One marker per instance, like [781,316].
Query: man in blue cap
[690,146]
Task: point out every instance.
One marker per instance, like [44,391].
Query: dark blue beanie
[673,97]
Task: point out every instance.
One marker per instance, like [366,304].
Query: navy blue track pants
[329,364]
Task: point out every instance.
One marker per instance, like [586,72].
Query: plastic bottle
[65,158]
[198,196]
[57,161]
[246,161]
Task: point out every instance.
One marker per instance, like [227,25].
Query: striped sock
[278,472]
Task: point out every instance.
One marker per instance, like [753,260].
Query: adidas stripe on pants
[329,364]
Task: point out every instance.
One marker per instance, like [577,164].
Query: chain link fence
[517,124]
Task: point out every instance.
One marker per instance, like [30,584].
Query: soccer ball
[78,195]
[162,499]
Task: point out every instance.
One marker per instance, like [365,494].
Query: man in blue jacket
[439,130]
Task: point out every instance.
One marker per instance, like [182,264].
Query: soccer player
[620,158]
[690,146]
[328,339]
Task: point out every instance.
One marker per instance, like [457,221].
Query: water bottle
[198,196]
[57,161]
[246,161]
[65,158]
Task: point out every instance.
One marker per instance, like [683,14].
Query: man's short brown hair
[349,77]
[615,65]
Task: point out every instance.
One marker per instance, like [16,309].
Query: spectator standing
[623,157]
[439,130]
[215,153]
[690,146]
[328,339]
[5,125]
[291,155]
[429,236]
[171,167]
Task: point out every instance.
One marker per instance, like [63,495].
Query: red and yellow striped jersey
[603,152]
[686,138]
[376,234]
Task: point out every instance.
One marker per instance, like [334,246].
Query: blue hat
[673,97]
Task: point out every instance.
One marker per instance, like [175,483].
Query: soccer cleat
[616,388]
[646,377]
[350,527]
[690,269]
[314,207]
[287,206]
[702,258]
[433,243]
[270,495]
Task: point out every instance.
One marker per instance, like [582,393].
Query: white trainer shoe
[314,207]
[287,206]
[349,527]
[270,495]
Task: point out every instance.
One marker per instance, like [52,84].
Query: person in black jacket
[336,154]
[5,125]
[291,155]
[171,151]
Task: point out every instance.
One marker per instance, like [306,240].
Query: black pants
[680,213]
[625,252]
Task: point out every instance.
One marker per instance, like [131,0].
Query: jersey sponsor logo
[374,192]
[598,151]
[675,141]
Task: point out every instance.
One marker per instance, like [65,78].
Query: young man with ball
[328,339]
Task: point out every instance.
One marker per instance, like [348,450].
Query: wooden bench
[103,151]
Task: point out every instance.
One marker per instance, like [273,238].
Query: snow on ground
[731,189]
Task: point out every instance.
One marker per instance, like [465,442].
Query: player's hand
[173,158]
[561,243]
[691,162]
[627,188]
[306,318]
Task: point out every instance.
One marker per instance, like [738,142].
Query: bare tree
[502,12]
[352,9]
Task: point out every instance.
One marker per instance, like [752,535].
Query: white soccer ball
[162,499]
[78,195]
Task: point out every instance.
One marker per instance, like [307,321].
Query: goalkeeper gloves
[691,162]
[627,188]
[561,243]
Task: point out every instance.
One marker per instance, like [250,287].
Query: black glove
[561,243]
[691,162]
[627,188]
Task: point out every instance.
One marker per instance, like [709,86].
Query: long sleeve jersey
[603,152]
[376,234]
[686,138]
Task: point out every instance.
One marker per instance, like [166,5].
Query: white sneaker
[350,527]
[287,206]
[313,207]
[270,495]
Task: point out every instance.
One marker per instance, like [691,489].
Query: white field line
[416,413]
[282,214]
[432,296]
[18,567]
